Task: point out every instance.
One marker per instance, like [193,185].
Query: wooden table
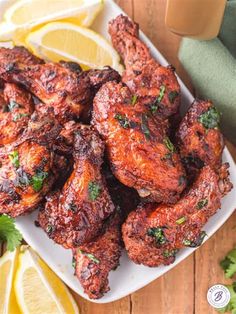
[183,289]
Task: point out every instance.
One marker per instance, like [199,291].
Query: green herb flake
[172,96]
[144,126]
[161,94]
[73,262]
[37,180]
[18,116]
[181,220]
[94,190]
[197,242]
[170,253]
[14,157]
[169,144]
[90,256]
[210,119]
[49,229]
[134,100]
[202,203]
[123,120]
[158,234]
[9,233]
[13,105]
[153,108]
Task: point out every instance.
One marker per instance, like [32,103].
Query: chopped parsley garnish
[172,95]
[229,264]
[144,126]
[210,119]
[18,116]
[181,220]
[134,100]
[14,157]
[9,233]
[169,144]
[202,203]
[13,105]
[158,234]
[90,256]
[73,262]
[37,180]
[94,190]
[49,229]
[197,242]
[153,108]
[171,253]
[123,120]
[161,94]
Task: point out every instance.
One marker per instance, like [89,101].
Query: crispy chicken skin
[13,60]
[144,76]
[94,260]
[26,173]
[138,149]
[16,106]
[199,139]
[75,215]
[154,233]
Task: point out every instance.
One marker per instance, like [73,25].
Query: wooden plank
[208,271]
[169,294]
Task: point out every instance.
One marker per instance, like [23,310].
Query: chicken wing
[138,148]
[26,172]
[16,107]
[94,260]
[62,87]
[76,214]
[153,234]
[145,77]
[199,139]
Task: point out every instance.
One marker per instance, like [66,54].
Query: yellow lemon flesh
[66,41]
[25,15]
[8,264]
[38,289]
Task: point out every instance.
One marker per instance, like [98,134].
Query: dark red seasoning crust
[180,223]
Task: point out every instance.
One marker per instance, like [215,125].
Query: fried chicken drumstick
[96,259]
[76,214]
[153,233]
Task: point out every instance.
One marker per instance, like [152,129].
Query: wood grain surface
[183,289]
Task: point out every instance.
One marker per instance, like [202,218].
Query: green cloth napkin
[212,67]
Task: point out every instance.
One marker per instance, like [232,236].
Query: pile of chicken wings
[106,159]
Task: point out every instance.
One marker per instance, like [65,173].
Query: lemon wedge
[66,41]
[38,290]
[8,263]
[25,15]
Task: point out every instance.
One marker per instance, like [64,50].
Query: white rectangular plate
[128,277]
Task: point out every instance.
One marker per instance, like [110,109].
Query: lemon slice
[24,15]
[38,290]
[66,41]
[8,263]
